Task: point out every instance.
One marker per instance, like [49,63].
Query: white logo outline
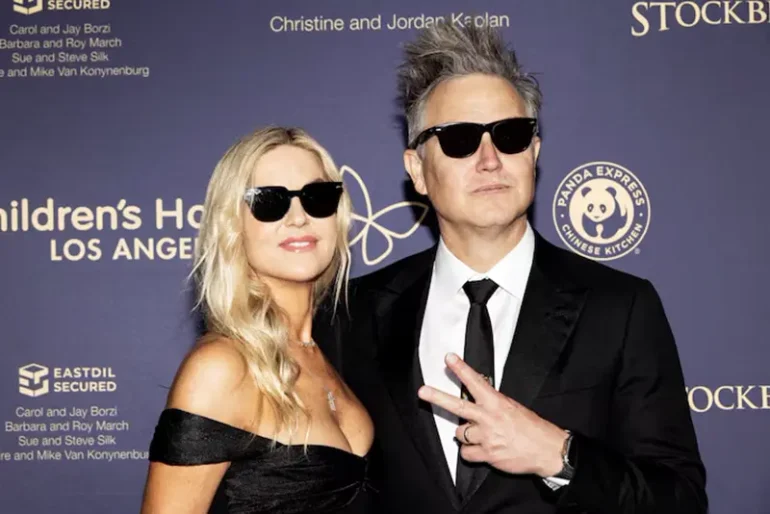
[370,220]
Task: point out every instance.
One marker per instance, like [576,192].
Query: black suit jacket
[593,353]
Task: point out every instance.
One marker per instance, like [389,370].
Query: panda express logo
[601,210]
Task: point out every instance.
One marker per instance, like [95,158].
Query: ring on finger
[465,434]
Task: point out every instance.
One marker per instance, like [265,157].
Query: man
[571,398]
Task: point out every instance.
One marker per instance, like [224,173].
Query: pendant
[330,398]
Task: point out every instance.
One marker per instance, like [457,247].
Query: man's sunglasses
[271,203]
[458,140]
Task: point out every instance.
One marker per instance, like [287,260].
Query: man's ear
[413,166]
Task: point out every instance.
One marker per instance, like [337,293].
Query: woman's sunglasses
[458,140]
[271,203]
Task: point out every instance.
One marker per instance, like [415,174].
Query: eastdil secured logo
[35,6]
[32,381]
[601,210]
[27,6]
[77,5]
[36,380]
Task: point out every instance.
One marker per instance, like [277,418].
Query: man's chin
[497,223]
[499,216]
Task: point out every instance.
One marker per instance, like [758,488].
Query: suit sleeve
[650,463]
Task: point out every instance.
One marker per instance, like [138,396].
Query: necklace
[330,398]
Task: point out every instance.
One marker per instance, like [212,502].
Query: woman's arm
[212,382]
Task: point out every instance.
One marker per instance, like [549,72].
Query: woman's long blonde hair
[234,302]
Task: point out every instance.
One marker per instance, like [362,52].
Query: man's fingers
[477,385]
[467,433]
[473,453]
[457,406]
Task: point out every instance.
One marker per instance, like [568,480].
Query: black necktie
[480,355]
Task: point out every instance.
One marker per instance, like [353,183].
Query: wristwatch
[568,470]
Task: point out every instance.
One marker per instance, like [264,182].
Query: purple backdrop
[112,116]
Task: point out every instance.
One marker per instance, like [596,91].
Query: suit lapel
[399,325]
[548,315]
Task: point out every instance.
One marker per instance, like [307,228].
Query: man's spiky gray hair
[443,51]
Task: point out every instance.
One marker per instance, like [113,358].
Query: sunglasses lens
[513,136]
[320,199]
[460,140]
[270,204]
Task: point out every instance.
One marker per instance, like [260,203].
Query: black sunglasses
[458,140]
[271,203]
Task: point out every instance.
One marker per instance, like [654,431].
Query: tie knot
[479,291]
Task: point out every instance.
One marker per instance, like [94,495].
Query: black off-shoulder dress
[284,479]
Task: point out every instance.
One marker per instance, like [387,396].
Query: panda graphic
[602,216]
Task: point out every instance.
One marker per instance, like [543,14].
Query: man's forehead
[476,98]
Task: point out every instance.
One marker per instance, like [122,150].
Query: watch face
[568,458]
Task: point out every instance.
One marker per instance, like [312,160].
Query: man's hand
[500,431]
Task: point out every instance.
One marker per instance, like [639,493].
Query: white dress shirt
[446,316]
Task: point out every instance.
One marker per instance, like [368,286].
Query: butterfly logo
[371,220]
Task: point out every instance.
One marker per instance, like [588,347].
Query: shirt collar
[510,273]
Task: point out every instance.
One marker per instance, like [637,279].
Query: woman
[256,404]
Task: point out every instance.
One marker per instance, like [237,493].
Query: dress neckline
[269,440]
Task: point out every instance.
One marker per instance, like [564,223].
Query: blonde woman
[256,405]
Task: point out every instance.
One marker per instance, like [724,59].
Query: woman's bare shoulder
[214,381]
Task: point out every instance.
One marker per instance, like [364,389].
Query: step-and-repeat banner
[114,112]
